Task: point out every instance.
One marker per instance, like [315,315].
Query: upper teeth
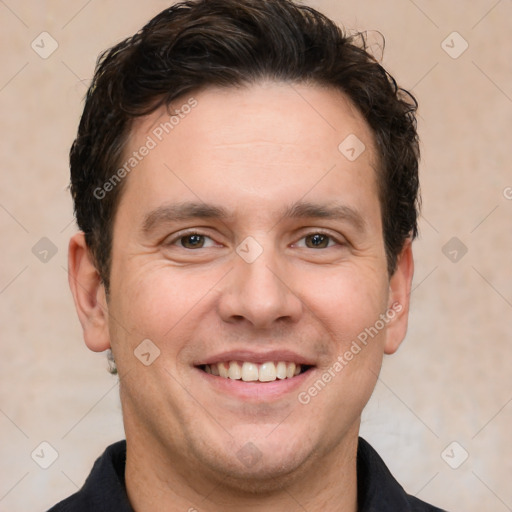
[247,372]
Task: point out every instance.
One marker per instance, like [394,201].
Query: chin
[268,477]
[258,470]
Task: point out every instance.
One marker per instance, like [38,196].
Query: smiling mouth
[254,372]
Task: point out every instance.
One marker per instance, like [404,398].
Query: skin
[253,151]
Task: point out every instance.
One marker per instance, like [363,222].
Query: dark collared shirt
[105,491]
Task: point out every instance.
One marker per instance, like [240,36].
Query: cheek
[345,299]
[347,304]
[159,304]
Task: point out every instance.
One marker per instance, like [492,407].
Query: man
[245,179]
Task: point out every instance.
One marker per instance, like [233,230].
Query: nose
[260,293]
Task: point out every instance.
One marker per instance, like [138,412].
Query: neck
[157,480]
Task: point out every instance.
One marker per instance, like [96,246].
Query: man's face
[247,236]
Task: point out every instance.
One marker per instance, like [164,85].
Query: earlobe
[399,299]
[88,293]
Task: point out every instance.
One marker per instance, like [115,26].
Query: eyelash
[322,233]
[176,239]
[180,236]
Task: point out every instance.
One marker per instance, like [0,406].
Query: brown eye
[193,241]
[317,241]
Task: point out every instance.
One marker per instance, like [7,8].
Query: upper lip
[256,357]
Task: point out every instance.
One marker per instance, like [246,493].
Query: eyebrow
[197,210]
[182,211]
[334,211]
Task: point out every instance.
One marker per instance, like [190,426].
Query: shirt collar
[377,490]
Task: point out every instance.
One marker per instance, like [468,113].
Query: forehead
[260,140]
[234,114]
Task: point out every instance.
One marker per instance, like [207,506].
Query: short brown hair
[201,43]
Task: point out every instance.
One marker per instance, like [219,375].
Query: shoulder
[74,503]
[417,505]
[378,491]
[104,489]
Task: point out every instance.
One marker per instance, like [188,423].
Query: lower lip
[255,391]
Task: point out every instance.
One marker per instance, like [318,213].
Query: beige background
[450,381]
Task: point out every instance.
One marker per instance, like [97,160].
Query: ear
[399,297]
[89,294]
